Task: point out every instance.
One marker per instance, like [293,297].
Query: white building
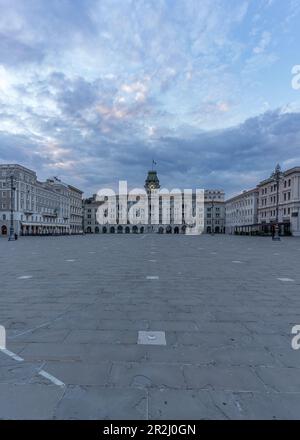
[39,208]
[214,217]
[76,210]
[157,219]
[90,207]
[289,203]
[241,213]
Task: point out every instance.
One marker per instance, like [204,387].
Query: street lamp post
[212,217]
[277,175]
[12,199]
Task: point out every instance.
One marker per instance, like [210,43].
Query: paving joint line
[41,372]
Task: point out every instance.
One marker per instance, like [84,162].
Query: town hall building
[176,222]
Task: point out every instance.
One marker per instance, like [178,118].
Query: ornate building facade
[289,203]
[214,205]
[76,210]
[241,212]
[254,211]
[39,208]
[170,216]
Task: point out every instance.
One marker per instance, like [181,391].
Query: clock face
[152,186]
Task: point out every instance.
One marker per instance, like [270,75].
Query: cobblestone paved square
[73,308]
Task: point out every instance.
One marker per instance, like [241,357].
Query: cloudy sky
[93,90]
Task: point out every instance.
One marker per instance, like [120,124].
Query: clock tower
[152,182]
[152,187]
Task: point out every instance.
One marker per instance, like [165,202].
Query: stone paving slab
[227,326]
[207,405]
[80,373]
[28,401]
[101,337]
[258,406]
[18,373]
[94,403]
[280,379]
[183,405]
[215,340]
[147,375]
[221,378]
